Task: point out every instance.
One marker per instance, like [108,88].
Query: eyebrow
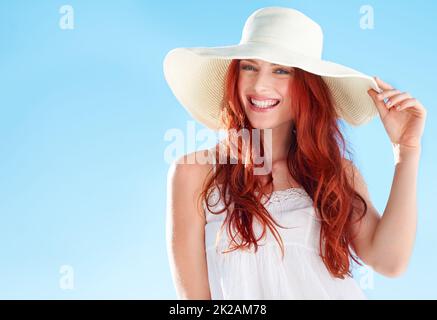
[272,64]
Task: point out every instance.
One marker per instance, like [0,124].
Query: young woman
[291,233]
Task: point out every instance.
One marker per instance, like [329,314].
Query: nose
[262,81]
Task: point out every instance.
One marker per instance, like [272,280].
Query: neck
[281,140]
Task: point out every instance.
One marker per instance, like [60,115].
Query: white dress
[244,274]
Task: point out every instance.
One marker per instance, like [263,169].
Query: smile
[262,105]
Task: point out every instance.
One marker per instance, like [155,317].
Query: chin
[263,125]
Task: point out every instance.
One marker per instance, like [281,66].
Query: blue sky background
[83,114]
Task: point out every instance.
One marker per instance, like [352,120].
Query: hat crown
[284,27]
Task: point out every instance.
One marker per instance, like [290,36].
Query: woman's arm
[386,242]
[403,118]
[395,234]
[185,227]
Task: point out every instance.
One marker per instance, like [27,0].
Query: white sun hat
[278,35]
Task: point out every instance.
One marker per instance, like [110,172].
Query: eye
[283,70]
[247,67]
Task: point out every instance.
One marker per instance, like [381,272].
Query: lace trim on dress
[276,196]
[287,194]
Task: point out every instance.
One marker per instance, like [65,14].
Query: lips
[262,108]
[259,98]
[267,105]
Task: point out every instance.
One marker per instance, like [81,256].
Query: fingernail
[388,103]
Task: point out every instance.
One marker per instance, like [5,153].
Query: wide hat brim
[196,77]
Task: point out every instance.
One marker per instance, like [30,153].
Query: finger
[398,99]
[406,104]
[387,94]
[380,105]
[378,88]
[412,102]
[383,84]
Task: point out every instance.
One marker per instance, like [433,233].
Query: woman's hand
[402,115]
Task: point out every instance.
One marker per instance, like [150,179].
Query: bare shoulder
[189,173]
[356,178]
[195,165]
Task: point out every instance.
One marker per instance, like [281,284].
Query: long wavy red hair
[315,161]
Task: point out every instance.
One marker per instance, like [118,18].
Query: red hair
[315,161]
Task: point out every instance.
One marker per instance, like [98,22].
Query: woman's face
[264,91]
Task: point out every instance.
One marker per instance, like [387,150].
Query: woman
[290,233]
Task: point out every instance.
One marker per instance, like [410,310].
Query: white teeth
[264,103]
